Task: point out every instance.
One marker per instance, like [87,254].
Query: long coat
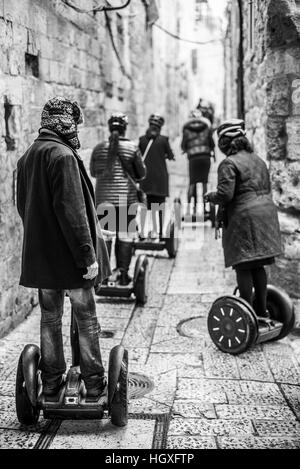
[116,188]
[157,179]
[251,231]
[55,200]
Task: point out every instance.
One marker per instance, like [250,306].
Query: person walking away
[117,165]
[156,150]
[251,233]
[198,144]
[63,248]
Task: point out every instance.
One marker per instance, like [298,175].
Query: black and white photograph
[149,227]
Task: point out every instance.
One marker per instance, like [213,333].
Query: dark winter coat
[251,230]
[61,231]
[197,140]
[157,179]
[117,189]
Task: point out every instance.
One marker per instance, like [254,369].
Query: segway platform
[71,403]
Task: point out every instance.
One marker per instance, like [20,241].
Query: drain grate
[192,327]
[139,385]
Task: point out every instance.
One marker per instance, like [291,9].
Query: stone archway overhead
[283,27]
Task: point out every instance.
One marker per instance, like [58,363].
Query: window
[32,65]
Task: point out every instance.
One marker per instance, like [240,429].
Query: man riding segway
[199,145]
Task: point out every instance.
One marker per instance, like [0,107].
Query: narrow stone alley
[184,393]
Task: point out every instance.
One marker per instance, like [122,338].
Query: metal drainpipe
[241,88]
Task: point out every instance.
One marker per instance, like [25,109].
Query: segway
[234,326]
[170,242]
[71,403]
[138,287]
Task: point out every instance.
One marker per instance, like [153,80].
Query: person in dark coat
[156,149]
[63,247]
[251,232]
[198,144]
[117,165]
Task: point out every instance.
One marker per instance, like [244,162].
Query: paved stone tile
[254,412]
[103,435]
[179,345]
[204,427]
[113,308]
[185,442]
[8,420]
[137,356]
[7,404]
[282,363]
[253,366]
[277,428]
[147,406]
[292,394]
[208,391]
[255,393]
[258,443]
[7,388]
[164,388]
[190,366]
[193,409]
[13,439]
[219,365]
[141,328]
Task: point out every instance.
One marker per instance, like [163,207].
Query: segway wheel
[178,212]
[281,309]
[141,280]
[232,325]
[118,386]
[172,241]
[27,413]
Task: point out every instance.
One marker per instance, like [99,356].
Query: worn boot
[124,256]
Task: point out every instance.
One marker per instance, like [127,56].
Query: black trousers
[256,278]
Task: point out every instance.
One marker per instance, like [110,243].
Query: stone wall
[272,113]
[48,49]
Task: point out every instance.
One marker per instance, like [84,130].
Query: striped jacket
[117,189]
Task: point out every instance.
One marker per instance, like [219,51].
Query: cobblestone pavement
[197,397]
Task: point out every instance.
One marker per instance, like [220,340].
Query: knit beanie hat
[62,116]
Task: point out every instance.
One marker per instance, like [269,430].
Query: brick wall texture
[272,111]
[75,59]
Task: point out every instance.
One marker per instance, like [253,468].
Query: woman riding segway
[117,165]
[251,233]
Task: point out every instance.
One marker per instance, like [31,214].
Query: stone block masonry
[48,49]
[272,112]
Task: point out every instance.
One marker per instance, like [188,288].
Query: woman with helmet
[198,143]
[251,233]
[117,164]
[155,149]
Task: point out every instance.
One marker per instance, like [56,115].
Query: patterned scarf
[62,116]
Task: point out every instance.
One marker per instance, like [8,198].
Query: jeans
[53,364]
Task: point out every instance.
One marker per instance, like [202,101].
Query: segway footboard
[232,325]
